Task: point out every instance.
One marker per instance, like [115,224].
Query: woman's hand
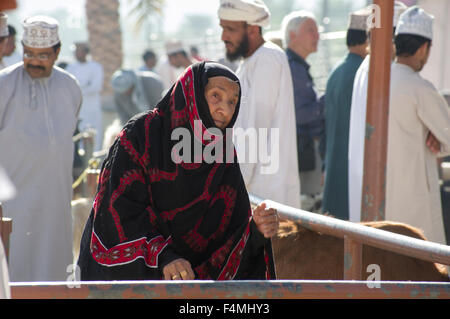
[266,220]
[179,269]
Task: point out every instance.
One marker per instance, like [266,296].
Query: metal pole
[375,152]
[365,235]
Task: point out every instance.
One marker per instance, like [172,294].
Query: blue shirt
[309,110]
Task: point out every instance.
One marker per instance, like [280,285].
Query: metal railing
[355,235]
[228,290]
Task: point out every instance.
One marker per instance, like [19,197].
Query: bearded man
[267,103]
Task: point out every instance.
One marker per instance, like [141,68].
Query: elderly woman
[156,218]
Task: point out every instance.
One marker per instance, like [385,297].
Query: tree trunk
[105,36]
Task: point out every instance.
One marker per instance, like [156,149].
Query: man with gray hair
[39,107]
[267,103]
[301,38]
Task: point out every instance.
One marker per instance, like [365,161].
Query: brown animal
[304,254]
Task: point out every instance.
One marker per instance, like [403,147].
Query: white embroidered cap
[399,8]
[358,19]
[3,25]
[417,22]
[40,32]
[254,12]
[174,46]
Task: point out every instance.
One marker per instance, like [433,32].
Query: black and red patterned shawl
[149,211]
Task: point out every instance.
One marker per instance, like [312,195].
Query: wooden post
[375,151]
[352,259]
[92,182]
[8,5]
[5,231]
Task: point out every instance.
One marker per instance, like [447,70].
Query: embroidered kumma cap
[416,21]
[254,12]
[3,25]
[358,19]
[40,32]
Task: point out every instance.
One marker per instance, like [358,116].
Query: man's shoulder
[8,79]
[345,67]
[402,75]
[269,57]
[65,78]
[63,75]
[11,70]
[270,50]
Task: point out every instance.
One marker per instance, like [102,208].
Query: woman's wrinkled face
[222,96]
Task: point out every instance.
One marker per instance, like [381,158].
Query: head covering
[82,44]
[399,8]
[40,32]
[254,12]
[151,210]
[174,46]
[123,80]
[3,25]
[358,19]
[415,21]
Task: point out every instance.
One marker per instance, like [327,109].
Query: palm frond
[143,8]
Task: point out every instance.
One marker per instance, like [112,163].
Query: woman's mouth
[219,123]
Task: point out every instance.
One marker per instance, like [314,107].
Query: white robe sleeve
[435,114]
[356,141]
[5,292]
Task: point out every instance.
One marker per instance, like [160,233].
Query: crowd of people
[157,218]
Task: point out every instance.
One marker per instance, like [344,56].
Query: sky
[173,9]
[73,21]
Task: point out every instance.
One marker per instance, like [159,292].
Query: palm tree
[105,35]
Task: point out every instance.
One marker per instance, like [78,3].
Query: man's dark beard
[241,51]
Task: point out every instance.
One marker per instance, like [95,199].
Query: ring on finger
[183,273]
[175,277]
